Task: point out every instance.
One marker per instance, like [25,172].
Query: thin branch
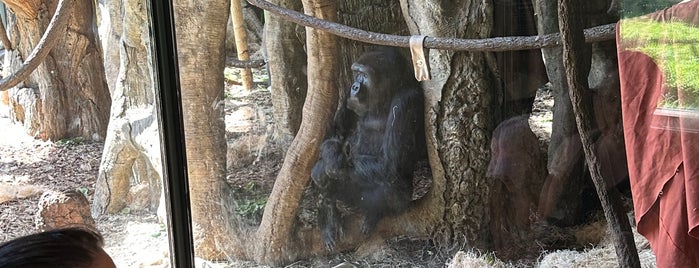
[594,34]
[577,69]
[58,23]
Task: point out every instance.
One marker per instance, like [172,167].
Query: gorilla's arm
[343,123]
[404,121]
[333,162]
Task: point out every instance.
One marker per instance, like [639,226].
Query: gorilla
[373,145]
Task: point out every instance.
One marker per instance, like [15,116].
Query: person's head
[61,248]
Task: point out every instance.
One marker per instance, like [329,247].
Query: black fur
[377,137]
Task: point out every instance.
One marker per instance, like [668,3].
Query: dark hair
[60,248]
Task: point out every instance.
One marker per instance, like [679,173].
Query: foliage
[70,141]
[251,208]
[83,190]
[641,7]
[674,46]
[227,95]
[231,74]
[250,202]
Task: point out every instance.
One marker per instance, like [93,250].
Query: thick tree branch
[577,70]
[28,10]
[275,234]
[51,36]
[594,34]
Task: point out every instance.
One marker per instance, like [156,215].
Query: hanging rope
[594,34]
[56,27]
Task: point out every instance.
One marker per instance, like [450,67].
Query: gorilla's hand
[334,158]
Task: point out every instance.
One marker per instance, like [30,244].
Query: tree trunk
[110,27]
[275,233]
[201,32]
[521,71]
[560,200]
[287,63]
[577,66]
[566,178]
[254,28]
[132,156]
[241,42]
[374,15]
[459,121]
[66,96]
[131,159]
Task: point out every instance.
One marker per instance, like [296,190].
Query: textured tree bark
[132,154]
[24,8]
[241,42]
[253,26]
[49,39]
[577,68]
[379,16]
[287,63]
[459,121]
[111,29]
[565,178]
[3,36]
[274,235]
[66,96]
[201,33]
[560,199]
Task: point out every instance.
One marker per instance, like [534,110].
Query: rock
[139,197]
[57,210]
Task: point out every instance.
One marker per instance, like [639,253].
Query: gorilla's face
[365,93]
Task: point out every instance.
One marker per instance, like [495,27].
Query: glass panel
[659,71]
[672,43]
[278,174]
[82,134]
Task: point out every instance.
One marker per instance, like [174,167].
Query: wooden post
[577,68]
[241,45]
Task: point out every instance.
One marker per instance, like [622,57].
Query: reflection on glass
[659,72]
[674,47]
[129,184]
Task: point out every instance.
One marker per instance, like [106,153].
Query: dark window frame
[175,182]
